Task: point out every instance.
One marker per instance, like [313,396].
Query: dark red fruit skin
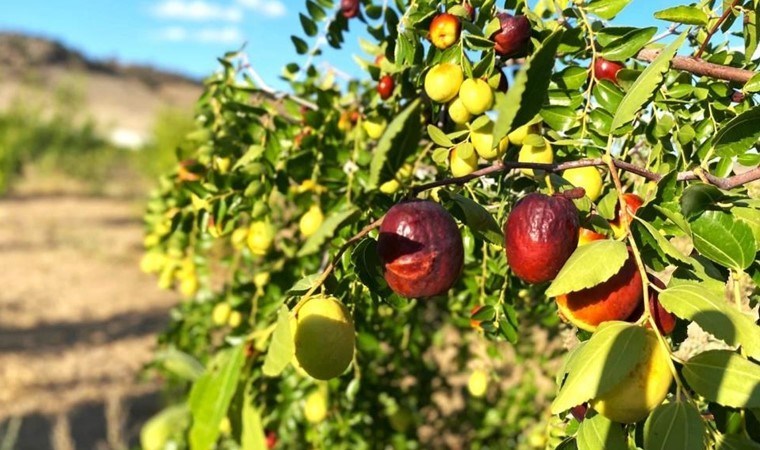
[271,439]
[385,87]
[606,70]
[514,36]
[540,234]
[614,299]
[349,8]
[665,321]
[632,204]
[420,248]
[579,412]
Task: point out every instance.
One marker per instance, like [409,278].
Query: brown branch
[700,67]
[715,27]
[506,166]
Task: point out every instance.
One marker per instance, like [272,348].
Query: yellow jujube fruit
[260,237]
[482,140]
[188,285]
[477,384]
[476,96]
[586,177]
[642,390]
[235,319]
[311,221]
[221,313]
[462,166]
[517,136]
[529,153]
[442,82]
[374,126]
[324,337]
[458,113]
[315,407]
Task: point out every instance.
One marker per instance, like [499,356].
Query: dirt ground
[77,322]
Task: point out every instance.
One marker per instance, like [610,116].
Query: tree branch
[700,67]
[715,27]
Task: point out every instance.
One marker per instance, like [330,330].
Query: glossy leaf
[645,85]
[281,348]
[739,134]
[399,141]
[589,265]
[694,302]
[211,395]
[724,377]
[611,353]
[606,9]
[480,221]
[688,15]
[629,45]
[721,238]
[600,433]
[674,425]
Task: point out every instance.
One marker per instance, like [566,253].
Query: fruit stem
[549,184]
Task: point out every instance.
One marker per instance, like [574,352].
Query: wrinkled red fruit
[385,87]
[606,70]
[349,8]
[614,299]
[540,234]
[665,321]
[420,248]
[513,37]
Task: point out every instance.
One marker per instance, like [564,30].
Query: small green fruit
[476,96]
[458,113]
[324,337]
[442,82]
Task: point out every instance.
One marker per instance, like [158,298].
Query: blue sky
[187,36]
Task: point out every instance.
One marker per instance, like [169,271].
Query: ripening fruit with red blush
[444,30]
[349,8]
[385,87]
[540,234]
[606,70]
[420,248]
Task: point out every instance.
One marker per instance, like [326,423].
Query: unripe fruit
[324,337]
[349,8]
[540,234]
[517,136]
[392,186]
[311,221]
[374,126]
[261,279]
[260,238]
[420,248]
[235,319]
[239,237]
[315,407]
[159,428]
[632,203]
[482,141]
[477,384]
[606,70]
[462,166]
[221,313]
[442,82]
[587,178]
[385,87]
[444,30]
[512,39]
[476,95]
[614,299]
[531,154]
[458,113]
[642,390]
[188,285]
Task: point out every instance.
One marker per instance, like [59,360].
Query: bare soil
[78,321]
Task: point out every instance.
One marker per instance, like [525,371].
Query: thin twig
[715,27]
[700,67]
[267,90]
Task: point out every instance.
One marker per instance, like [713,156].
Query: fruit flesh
[614,299]
[540,234]
[420,248]
[324,338]
[643,389]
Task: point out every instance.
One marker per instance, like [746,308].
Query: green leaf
[589,265]
[674,425]
[327,230]
[211,395]
[645,85]
[438,136]
[751,217]
[301,46]
[180,363]
[368,266]
[721,238]
[751,32]
[663,243]
[739,134]
[252,437]
[695,302]
[559,118]
[526,95]
[600,433]
[688,15]
[315,11]
[724,377]
[628,46]
[606,9]
[304,284]
[308,25]
[753,85]
[281,349]
[735,442]
[698,197]
[480,221]
[399,141]
[611,353]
